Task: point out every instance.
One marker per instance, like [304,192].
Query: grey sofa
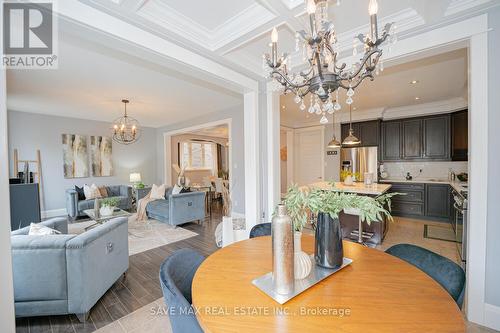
[177,209]
[76,207]
[67,274]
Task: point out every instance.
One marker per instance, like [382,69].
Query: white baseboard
[492,316]
[46,214]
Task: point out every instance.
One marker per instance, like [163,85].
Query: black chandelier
[320,49]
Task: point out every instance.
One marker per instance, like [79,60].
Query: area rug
[444,233]
[143,236]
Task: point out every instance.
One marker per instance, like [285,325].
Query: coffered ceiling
[237,33]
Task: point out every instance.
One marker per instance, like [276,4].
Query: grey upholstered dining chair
[263,229]
[447,273]
[176,277]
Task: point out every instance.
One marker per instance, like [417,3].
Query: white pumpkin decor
[106,210]
[302,262]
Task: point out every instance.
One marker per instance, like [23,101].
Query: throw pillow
[177,189]
[158,192]
[81,194]
[41,230]
[91,192]
[185,190]
[103,191]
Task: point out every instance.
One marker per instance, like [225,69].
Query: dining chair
[262,229]
[447,273]
[176,277]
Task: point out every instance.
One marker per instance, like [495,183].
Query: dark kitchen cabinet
[436,138]
[423,138]
[427,201]
[437,201]
[459,136]
[391,140]
[412,139]
[367,131]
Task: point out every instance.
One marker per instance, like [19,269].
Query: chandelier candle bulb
[274,40]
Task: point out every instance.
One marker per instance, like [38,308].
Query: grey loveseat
[76,207]
[177,209]
[67,274]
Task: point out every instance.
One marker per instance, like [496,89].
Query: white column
[478,171]
[252,164]
[273,150]
[7,318]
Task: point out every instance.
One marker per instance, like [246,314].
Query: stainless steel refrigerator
[360,160]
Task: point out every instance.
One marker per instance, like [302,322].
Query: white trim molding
[273,149]
[492,316]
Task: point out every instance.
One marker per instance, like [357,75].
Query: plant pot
[328,249]
[106,210]
[301,261]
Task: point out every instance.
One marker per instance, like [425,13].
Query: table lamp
[135,178]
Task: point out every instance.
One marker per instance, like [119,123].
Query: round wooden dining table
[375,293]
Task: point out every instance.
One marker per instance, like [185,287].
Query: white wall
[29,132]
[7,319]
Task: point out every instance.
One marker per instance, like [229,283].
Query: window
[197,155]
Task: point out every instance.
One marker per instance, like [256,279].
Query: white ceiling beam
[88,16]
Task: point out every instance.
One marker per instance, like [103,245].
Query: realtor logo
[29,35]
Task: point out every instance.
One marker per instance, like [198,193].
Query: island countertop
[357,187]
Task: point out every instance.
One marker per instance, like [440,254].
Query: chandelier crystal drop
[319,48]
[126,130]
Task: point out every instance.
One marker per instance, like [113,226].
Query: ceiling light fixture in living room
[126,130]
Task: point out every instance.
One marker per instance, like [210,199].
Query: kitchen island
[357,188]
[373,233]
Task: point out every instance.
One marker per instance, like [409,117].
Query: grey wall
[493,227]
[238,154]
[29,132]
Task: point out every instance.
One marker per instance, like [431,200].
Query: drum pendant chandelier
[126,130]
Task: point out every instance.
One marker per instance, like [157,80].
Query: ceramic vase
[348,180]
[106,210]
[328,249]
[302,264]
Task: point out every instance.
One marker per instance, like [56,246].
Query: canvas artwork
[101,156]
[75,155]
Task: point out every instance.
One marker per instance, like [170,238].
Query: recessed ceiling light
[354,108]
[414,82]
[417,98]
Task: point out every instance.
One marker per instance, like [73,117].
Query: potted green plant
[327,205]
[108,206]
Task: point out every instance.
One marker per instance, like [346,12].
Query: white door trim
[470,33]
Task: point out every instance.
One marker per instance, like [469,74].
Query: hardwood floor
[140,286]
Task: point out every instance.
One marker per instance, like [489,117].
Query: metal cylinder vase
[283,253]
[328,251]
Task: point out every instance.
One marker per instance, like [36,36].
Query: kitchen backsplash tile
[438,170]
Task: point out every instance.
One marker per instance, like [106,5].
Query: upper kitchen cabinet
[391,140]
[412,139]
[367,131]
[436,138]
[424,138]
[459,136]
